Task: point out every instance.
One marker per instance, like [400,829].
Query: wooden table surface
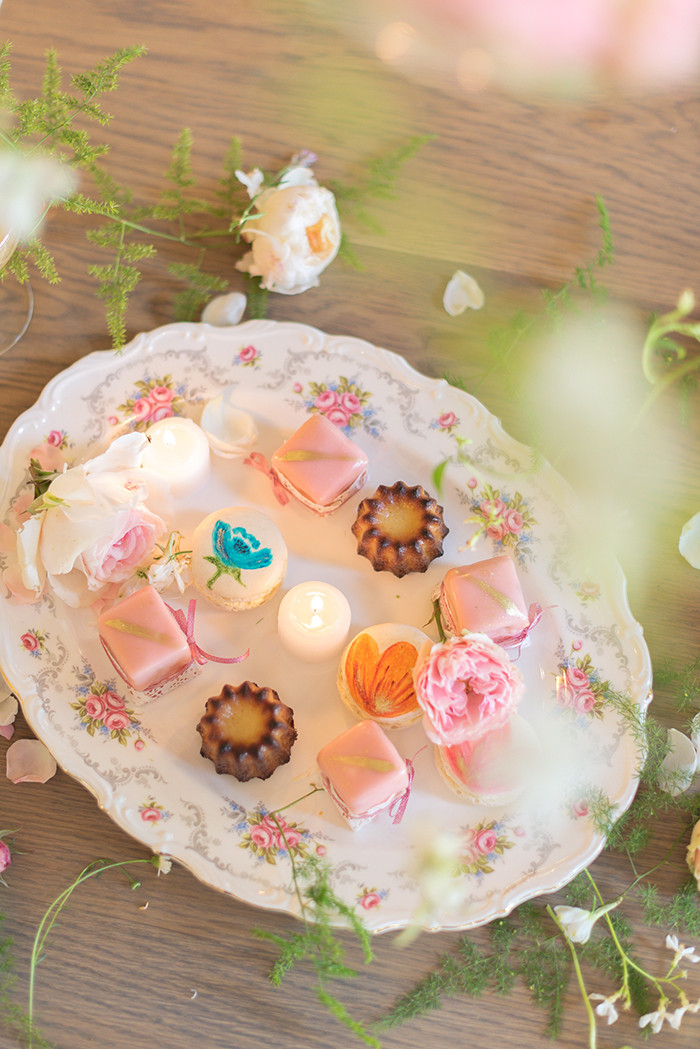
[506,188]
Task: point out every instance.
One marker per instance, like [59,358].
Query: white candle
[313,621]
[178,450]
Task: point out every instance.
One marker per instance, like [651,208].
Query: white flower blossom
[606,1009]
[655,1019]
[680,950]
[252,180]
[294,233]
[163,864]
[578,923]
[28,185]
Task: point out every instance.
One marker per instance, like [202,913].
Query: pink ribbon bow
[398,805]
[517,641]
[186,624]
[258,460]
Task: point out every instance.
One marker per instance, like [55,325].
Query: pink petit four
[494,769]
[363,772]
[320,465]
[484,598]
[144,642]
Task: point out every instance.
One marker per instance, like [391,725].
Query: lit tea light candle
[313,621]
[178,450]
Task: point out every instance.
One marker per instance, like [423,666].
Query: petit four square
[363,772]
[144,642]
[484,598]
[495,769]
[320,465]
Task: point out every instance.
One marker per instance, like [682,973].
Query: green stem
[580,980]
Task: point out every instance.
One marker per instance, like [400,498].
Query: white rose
[94,528]
[294,236]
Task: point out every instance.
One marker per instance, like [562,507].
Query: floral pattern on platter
[103,712]
[33,642]
[579,687]
[482,845]
[445,423]
[343,403]
[151,812]
[506,520]
[579,809]
[248,356]
[587,591]
[368,898]
[270,838]
[153,399]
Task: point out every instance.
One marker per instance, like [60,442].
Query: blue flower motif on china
[235,550]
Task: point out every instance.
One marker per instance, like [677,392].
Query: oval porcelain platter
[145,769]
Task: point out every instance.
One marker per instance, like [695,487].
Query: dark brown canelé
[399,529]
[247,731]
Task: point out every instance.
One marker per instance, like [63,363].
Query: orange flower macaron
[375,676]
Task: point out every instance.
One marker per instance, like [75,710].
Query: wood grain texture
[506,189]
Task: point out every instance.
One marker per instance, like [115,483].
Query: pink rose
[338,416]
[321,850]
[139,744]
[580,808]
[370,899]
[584,701]
[160,395]
[151,815]
[472,482]
[95,707]
[326,400]
[297,387]
[492,509]
[117,557]
[514,521]
[161,411]
[486,841]
[576,678]
[113,701]
[55,438]
[351,403]
[466,687]
[446,420]
[565,695]
[292,836]
[141,409]
[116,720]
[5,856]
[497,531]
[49,456]
[248,353]
[261,836]
[577,646]
[29,641]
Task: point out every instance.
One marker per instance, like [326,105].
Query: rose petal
[7,731]
[462,292]
[28,761]
[8,708]
[223,310]
[679,764]
[689,542]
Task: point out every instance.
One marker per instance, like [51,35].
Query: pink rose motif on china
[154,399]
[483,845]
[504,519]
[248,356]
[579,808]
[33,642]
[343,402]
[269,838]
[579,686]
[5,856]
[368,899]
[588,592]
[151,812]
[103,713]
[466,686]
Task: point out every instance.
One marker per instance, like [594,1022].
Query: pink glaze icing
[466,686]
[496,766]
[320,462]
[143,640]
[484,598]
[362,771]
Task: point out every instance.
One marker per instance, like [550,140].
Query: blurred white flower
[252,180]
[606,1007]
[679,763]
[578,923]
[28,186]
[680,950]
[462,292]
[689,542]
[294,235]
[224,310]
[655,1019]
